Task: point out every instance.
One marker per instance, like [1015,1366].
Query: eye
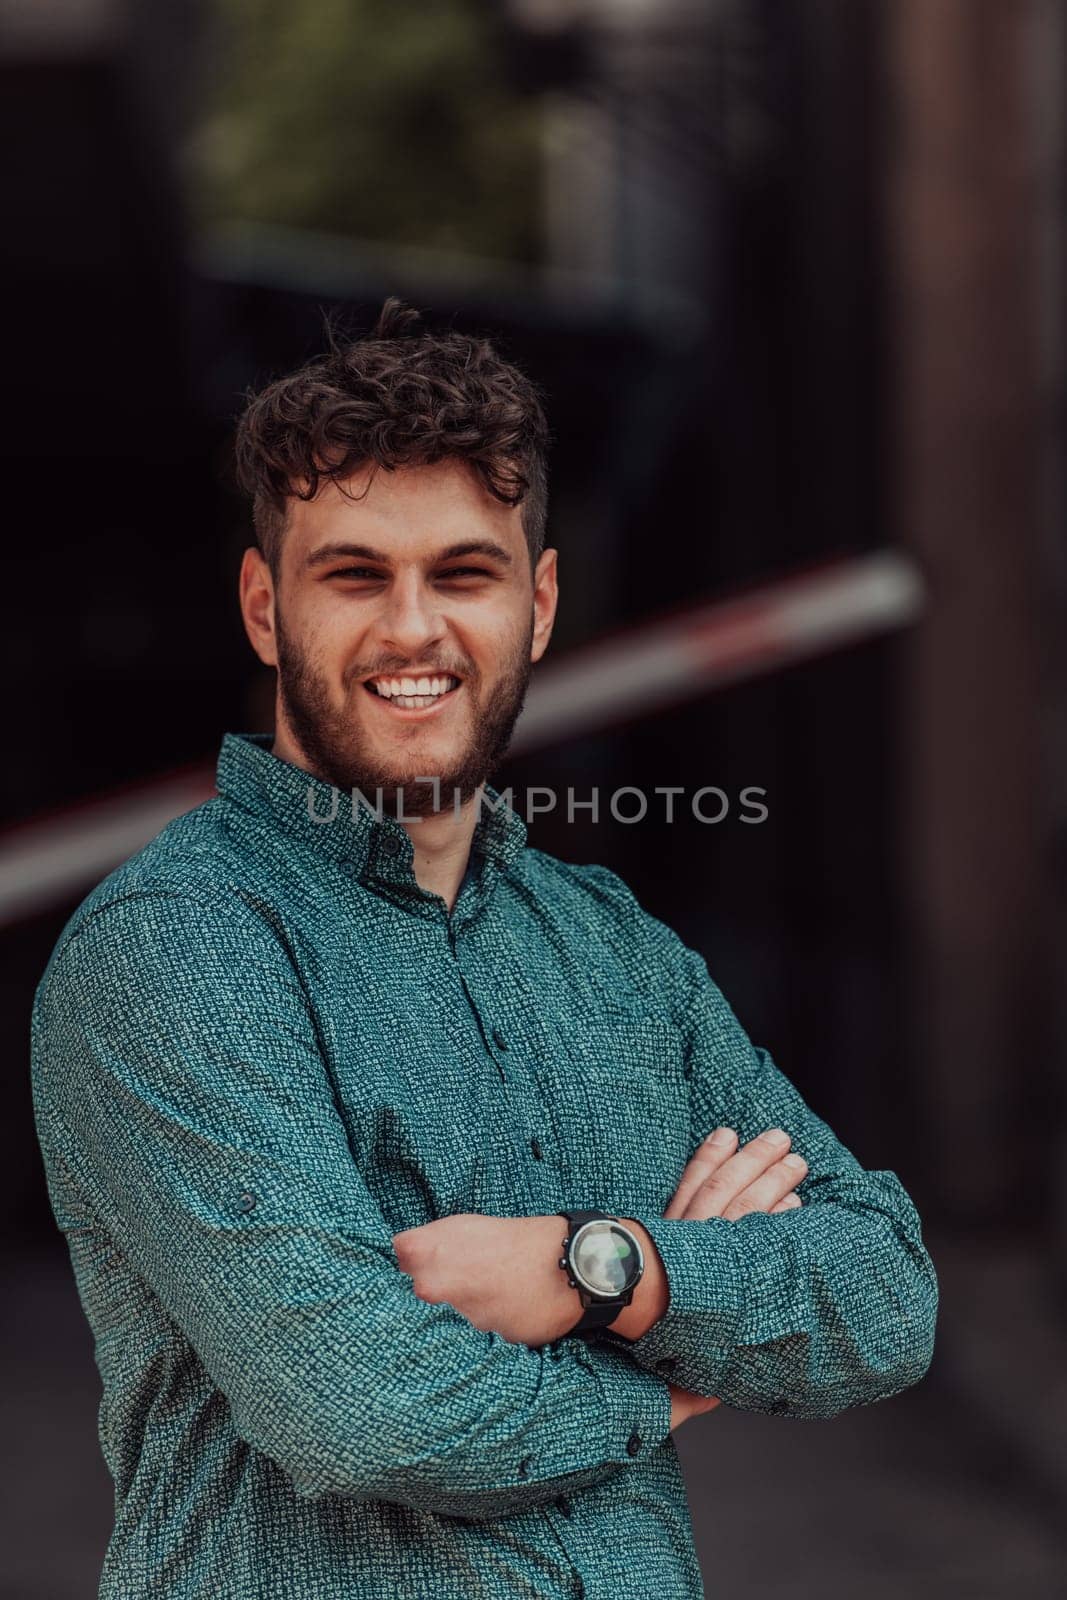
[373,573]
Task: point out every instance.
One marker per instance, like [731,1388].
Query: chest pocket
[618,1099]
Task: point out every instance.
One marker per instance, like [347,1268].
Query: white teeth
[418,692]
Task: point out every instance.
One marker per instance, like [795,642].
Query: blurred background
[791,273]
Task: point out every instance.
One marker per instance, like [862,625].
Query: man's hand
[501,1273]
[716,1182]
[721,1181]
[684,1405]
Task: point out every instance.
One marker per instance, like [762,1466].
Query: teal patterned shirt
[260,1049]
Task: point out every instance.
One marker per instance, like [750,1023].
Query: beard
[335,746]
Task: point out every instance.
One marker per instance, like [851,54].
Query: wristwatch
[604,1261]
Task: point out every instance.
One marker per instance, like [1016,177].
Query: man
[327,1074]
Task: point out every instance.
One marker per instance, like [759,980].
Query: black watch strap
[598,1313]
[577,1219]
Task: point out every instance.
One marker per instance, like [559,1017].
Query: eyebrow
[366,552]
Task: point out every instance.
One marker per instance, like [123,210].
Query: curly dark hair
[399,396]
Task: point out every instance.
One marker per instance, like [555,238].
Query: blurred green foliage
[387,120]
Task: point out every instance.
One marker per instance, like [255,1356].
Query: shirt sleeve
[808,1312]
[178,1072]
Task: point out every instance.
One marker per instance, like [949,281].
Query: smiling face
[404,624]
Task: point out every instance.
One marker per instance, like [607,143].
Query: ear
[545,600]
[256,591]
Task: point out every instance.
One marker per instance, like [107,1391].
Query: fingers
[767,1190]
[684,1405]
[705,1161]
[775,1184]
[790,1203]
[755,1178]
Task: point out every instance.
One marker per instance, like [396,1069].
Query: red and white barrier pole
[694,651]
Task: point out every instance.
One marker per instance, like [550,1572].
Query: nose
[410,621]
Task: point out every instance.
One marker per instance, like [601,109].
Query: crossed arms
[457,1258]
[158,1030]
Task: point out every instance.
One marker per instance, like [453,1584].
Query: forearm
[351,1385]
[519,1429]
[811,1313]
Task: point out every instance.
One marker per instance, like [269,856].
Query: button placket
[488,1036]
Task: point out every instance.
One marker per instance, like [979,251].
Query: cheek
[335,647]
[499,645]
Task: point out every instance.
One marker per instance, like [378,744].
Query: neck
[441,842]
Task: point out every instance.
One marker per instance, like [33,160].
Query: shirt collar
[376,849]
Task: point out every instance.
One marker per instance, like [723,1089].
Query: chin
[427,764]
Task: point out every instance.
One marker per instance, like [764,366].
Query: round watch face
[606,1258]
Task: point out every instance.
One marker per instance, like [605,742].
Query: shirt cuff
[632,1413]
[706,1280]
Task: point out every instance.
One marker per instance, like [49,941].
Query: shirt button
[563,1506]
[499,1040]
[633,1444]
[535,1146]
[247,1201]
[524,1466]
[667,1363]
[390,846]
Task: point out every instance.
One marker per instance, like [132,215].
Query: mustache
[403,668]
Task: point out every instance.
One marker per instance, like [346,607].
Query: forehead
[408,513]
